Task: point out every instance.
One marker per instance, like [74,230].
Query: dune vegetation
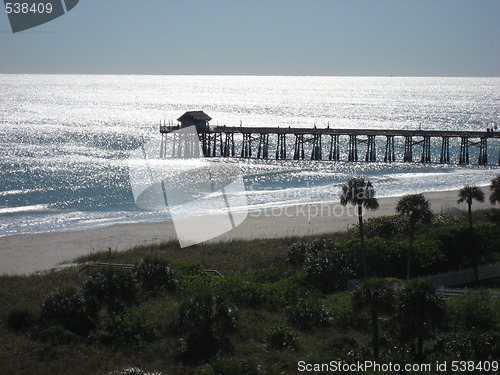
[271,306]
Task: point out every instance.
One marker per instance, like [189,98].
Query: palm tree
[359,192]
[421,309]
[468,194]
[378,296]
[495,190]
[418,210]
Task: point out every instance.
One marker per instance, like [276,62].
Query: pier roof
[194,115]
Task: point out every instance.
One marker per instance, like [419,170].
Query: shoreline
[29,253]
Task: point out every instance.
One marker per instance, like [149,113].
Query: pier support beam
[263,150]
[205,144]
[334,148]
[316,147]
[464,151]
[352,154]
[174,145]
[228,150]
[217,137]
[426,150]
[408,154]
[281,146]
[191,146]
[183,146]
[298,149]
[162,146]
[389,156]
[445,150]
[246,146]
[483,151]
[370,149]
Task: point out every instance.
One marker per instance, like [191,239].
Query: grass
[229,258]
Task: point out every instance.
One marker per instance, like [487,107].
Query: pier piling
[464,150]
[353,148]
[445,150]
[221,141]
[390,155]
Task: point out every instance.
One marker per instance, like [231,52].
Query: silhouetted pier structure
[331,144]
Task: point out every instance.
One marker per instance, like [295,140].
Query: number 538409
[24,8]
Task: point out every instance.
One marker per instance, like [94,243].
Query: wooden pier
[424,146]
[325,144]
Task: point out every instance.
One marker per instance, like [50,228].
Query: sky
[262,37]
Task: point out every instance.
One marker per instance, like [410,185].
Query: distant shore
[28,253]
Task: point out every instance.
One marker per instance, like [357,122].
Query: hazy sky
[268,37]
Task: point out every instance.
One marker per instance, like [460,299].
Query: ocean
[66,139]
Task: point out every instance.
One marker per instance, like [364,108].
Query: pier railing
[465,276]
[389,145]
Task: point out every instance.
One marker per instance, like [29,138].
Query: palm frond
[359,192]
[469,193]
[495,190]
[416,207]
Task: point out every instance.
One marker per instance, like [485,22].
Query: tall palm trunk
[410,251]
[420,346]
[375,333]
[469,204]
[472,242]
[362,238]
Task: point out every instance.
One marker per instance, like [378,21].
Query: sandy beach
[28,253]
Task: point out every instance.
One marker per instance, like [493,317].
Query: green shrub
[384,257]
[130,330]
[112,289]
[236,367]
[493,215]
[343,347]
[474,311]
[271,274]
[427,257]
[308,314]
[327,267]
[446,220]
[155,275]
[385,227]
[205,320]
[20,320]
[189,269]
[286,292]
[457,244]
[241,293]
[340,308]
[487,236]
[280,338]
[192,284]
[296,255]
[69,309]
[57,335]
[474,346]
